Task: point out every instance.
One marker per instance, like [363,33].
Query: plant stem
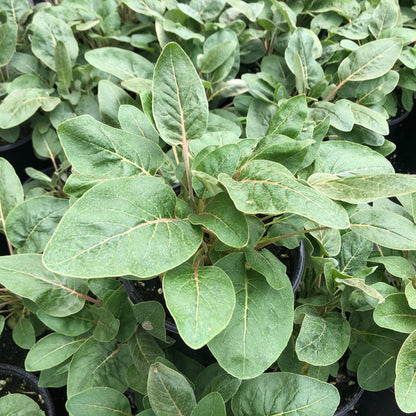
[188,169]
[265,242]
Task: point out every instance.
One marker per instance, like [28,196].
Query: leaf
[20,105]
[11,191]
[248,10]
[410,293]
[98,364]
[289,118]
[63,64]
[404,386]
[212,404]
[46,144]
[208,9]
[396,314]
[23,333]
[48,30]
[258,308]
[193,295]
[363,188]
[134,121]
[107,325]
[169,392]
[303,396]
[386,16]
[180,107]
[110,99]
[340,114]
[101,401]
[151,317]
[31,224]
[222,218]
[57,295]
[344,159]
[96,149]
[322,340]
[121,63]
[216,56]
[370,61]
[397,266]
[369,119]
[144,352]
[19,404]
[376,371]
[8,39]
[269,188]
[152,8]
[224,384]
[329,239]
[384,228]
[130,234]
[51,350]
[307,46]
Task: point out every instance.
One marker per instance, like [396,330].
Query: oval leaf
[135,225]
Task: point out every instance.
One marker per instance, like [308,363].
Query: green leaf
[63,64]
[208,9]
[410,293]
[72,325]
[376,371]
[340,114]
[52,350]
[370,61]
[404,386]
[107,325]
[346,159]
[151,317]
[8,39]
[307,46]
[24,333]
[46,144]
[57,295]
[134,121]
[96,149]
[289,118]
[31,224]
[20,105]
[258,308]
[396,314]
[212,404]
[133,231]
[48,30]
[397,266]
[322,340]
[169,392]
[369,119]
[17,404]
[269,188]
[121,63]
[216,56]
[98,364]
[248,10]
[386,16]
[144,352]
[222,218]
[224,384]
[384,228]
[329,239]
[193,295]
[101,401]
[152,8]
[11,191]
[110,99]
[267,264]
[363,188]
[180,107]
[303,396]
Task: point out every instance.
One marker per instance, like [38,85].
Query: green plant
[207,245]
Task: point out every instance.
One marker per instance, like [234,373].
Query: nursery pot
[347,409]
[143,290]
[402,134]
[20,381]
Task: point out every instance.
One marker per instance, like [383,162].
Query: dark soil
[10,353]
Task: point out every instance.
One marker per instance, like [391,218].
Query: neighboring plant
[207,245]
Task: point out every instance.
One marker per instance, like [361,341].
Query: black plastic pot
[27,382]
[402,134]
[21,155]
[380,403]
[349,408]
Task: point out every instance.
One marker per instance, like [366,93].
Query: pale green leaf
[8,39]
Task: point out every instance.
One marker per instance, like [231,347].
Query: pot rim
[33,380]
[17,143]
